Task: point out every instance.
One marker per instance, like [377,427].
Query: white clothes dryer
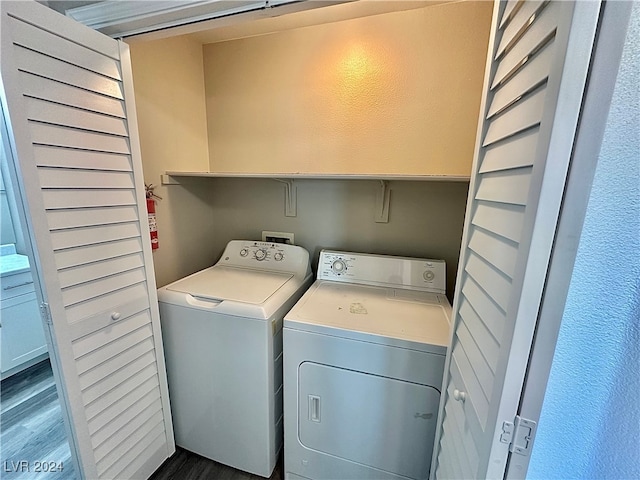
[364,353]
[222,334]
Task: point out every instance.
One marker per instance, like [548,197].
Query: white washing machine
[364,353]
[222,334]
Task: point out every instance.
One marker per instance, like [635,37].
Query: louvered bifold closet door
[68,101]
[523,146]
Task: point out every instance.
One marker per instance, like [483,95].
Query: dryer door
[375,421]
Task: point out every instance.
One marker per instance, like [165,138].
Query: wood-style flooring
[185,465]
[33,441]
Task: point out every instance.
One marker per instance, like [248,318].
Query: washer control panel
[383,270]
[266,255]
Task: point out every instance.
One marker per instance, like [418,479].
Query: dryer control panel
[422,274]
[266,256]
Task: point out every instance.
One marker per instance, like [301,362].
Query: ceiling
[318,16]
[215,30]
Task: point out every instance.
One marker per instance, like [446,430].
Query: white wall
[397,93]
[169,87]
[590,419]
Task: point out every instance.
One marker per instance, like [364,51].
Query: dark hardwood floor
[185,465]
[33,441]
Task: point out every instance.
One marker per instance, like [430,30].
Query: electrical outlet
[277,237]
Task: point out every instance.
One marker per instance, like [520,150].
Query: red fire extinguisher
[151,213]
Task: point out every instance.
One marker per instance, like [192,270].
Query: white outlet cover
[288,236]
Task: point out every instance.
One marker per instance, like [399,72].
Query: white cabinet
[22,334]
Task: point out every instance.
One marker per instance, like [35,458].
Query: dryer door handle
[207,303]
[314,408]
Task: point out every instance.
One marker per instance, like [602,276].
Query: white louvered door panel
[67,94]
[539,56]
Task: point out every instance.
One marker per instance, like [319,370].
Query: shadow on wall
[425,218]
[186,230]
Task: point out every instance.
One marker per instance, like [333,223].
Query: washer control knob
[278,256]
[429,276]
[244,252]
[338,266]
[261,254]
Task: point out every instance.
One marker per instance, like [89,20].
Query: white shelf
[167,179]
[291,192]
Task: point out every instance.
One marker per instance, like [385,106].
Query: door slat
[40,40]
[54,199]
[72,117]
[476,359]
[94,253]
[78,237]
[533,74]
[139,412]
[123,403]
[87,217]
[520,22]
[45,134]
[116,362]
[502,219]
[510,9]
[59,157]
[97,288]
[489,346]
[45,89]
[97,270]
[102,402]
[536,36]
[499,253]
[521,116]
[53,69]
[81,179]
[484,307]
[116,378]
[506,186]
[514,152]
[495,284]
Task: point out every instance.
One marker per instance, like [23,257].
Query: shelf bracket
[383,198]
[168,180]
[290,197]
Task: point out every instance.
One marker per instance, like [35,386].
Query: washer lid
[358,311]
[231,283]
